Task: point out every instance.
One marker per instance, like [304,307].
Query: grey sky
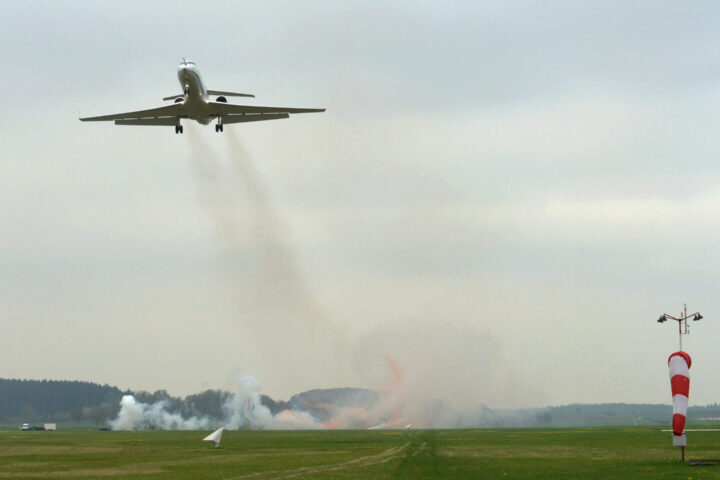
[503,196]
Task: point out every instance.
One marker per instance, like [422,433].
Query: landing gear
[219,126]
[178,129]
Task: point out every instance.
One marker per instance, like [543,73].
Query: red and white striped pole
[679,366]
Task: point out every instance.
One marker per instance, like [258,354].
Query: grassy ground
[453,454]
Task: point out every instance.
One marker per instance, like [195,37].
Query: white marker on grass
[216,436]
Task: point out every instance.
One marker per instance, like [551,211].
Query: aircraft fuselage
[196,104]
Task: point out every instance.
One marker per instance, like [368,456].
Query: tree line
[56,400]
[35,401]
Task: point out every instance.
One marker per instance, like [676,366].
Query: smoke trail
[252,230]
[275,303]
[280,278]
[208,175]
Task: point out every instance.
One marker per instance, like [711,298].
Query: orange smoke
[397,375]
[332,424]
[288,416]
[390,405]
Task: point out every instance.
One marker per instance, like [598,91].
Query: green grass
[626,453]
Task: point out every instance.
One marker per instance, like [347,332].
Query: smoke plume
[241,409]
[276,307]
[435,374]
[404,400]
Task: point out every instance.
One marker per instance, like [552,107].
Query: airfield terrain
[639,452]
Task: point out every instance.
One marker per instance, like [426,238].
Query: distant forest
[56,400]
[73,402]
[35,401]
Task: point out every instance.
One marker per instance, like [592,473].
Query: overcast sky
[503,197]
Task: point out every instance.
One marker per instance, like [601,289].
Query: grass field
[623,453]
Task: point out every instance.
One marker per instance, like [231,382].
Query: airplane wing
[229,94]
[213,92]
[220,108]
[167,111]
[253,117]
[162,121]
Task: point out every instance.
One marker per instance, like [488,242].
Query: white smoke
[240,409]
[262,271]
[134,415]
[394,408]
[244,406]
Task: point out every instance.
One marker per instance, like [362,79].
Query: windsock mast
[679,365]
[683,328]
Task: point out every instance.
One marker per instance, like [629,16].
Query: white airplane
[194,104]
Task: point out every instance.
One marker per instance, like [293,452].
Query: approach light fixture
[683,327]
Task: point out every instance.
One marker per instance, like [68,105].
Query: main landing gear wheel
[219,127]
[178,129]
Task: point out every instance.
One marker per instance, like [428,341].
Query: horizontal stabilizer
[165,121]
[228,94]
[255,117]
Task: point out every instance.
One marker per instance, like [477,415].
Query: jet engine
[221,99]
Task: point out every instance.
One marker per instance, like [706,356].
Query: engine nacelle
[179,99]
[221,99]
